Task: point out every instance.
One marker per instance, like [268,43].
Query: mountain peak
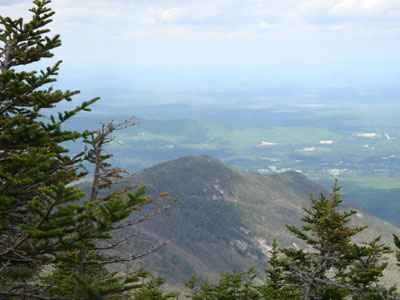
[300,183]
[227,218]
[192,175]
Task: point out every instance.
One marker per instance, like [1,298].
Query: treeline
[57,243]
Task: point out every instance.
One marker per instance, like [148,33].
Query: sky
[167,51]
[195,33]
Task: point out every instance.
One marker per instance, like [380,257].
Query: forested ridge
[57,242]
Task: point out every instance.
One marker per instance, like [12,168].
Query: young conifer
[334,267]
[234,285]
[277,287]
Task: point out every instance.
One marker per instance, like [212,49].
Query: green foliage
[327,225]
[54,245]
[397,244]
[49,236]
[366,270]
[249,205]
[235,286]
[97,283]
[333,267]
[276,286]
[152,291]
[38,208]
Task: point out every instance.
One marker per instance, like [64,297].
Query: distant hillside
[227,218]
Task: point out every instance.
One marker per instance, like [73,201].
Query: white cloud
[148,21]
[337,27]
[266,25]
[133,34]
[290,19]
[238,34]
[15,9]
[204,12]
[172,14]
[175,30]
[123,23]
[354,7]
[392,31]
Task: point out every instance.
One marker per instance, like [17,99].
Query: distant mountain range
[226,219]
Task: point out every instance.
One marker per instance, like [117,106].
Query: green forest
[58,242]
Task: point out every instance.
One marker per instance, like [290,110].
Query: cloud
[362,7]
[172,14]
[175,30]
[266,25]
[290,19]
[337,27]
[205,12]
[238,34]
[125,24]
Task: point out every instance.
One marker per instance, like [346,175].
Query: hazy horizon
[188,51]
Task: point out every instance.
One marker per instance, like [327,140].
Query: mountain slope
[228,218]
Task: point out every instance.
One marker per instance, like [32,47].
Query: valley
[239,150]
[358,143]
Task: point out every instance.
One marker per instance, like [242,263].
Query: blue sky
[186,34]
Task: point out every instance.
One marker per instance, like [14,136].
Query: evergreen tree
[45,226]
[326,231]
[276,286]
[35,170]
[333,267]
[231,286]
[152,291]
[368,264]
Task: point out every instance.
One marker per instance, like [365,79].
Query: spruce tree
[35,170]
[231,286]
[49,235]
[366,270]
[333,267]
[276,286]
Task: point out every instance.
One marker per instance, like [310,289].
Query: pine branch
[149,251]
[117,243]
[24,284]
[131,223]
[30,296]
